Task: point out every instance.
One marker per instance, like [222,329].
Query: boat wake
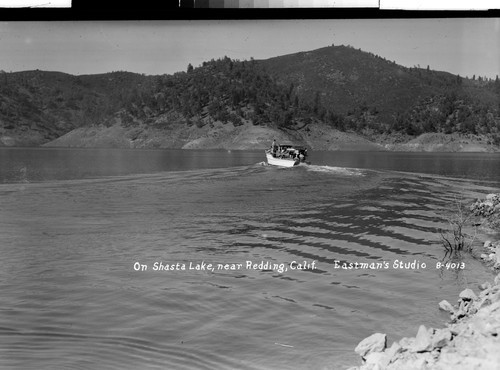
[335,170]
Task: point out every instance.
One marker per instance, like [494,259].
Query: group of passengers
[279,152]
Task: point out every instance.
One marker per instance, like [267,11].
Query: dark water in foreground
[71,298]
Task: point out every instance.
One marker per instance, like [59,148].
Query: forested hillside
[341,87]
[223,90]
[39,106]
[375,96]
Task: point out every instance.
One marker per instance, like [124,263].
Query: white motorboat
[286,156]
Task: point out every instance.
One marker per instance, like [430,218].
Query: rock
[469,343]
[466,306]
[454,330]
[441,338]
[374,343]
[486,327]
[497,252]
[436,352]
[393,351]
[494,289]
[423,340]
[406,343]
[446,306]
[467,295]
[472,310]
[487,243]
[489,310]
[449,360]
[492,197]
[419,363]
[377,358]
[485,286]
[484,302]
[495,297]
[463,310]
[460,314]
[483,294]
[488,204]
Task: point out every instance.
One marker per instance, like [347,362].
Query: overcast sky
[464,46]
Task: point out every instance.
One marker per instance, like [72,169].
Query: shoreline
[249,136]
[470,340]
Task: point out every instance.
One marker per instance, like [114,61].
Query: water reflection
[45,164]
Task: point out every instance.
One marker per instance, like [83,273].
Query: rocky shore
[248,136]
[471,340]
[439,142]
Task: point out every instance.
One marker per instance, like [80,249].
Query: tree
[317,102]
[190,68]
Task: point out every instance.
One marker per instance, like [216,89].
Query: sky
[464,46]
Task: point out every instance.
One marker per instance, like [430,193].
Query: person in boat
[274,147]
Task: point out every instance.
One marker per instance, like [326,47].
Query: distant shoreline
[248,136]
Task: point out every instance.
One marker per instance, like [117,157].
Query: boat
[286,155]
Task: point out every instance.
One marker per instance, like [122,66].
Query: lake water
[81,231]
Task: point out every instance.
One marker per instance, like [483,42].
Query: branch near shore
[455,239]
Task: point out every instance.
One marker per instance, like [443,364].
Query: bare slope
[246,136]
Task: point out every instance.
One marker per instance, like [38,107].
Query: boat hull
[282,162]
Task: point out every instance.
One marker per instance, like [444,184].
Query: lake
[105,255]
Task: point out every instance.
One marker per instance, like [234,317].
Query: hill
[331,98]
[40,106]
[376,96]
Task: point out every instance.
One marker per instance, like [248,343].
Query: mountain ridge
[311,97]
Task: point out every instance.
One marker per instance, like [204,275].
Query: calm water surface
[74,223]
